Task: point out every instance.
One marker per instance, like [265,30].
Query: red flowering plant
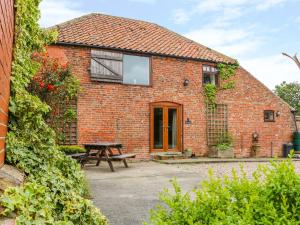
[58,87]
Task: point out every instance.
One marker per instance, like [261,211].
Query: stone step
[166,155]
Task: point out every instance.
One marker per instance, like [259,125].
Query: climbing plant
[225,72]
[55,85]
[210,91]
[55,186]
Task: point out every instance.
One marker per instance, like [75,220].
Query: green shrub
[37,204]
[271,196]
[71,149]
[55,186]
[224,142]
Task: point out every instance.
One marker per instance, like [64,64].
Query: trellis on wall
[217,122]
[69,128]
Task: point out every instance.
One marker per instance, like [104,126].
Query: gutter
[294,111]
[61,43]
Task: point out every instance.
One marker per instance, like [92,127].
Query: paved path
[127,195]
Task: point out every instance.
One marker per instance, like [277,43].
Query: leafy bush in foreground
[272,197]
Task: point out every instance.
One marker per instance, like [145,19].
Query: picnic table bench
[103,151]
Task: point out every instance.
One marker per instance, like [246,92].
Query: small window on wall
[210,75]
[269,116]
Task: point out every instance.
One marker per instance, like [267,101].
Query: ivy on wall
[226,73]
[55,186]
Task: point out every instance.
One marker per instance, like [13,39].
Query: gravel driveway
[127,195]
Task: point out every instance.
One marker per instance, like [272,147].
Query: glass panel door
[166,127]
[158,128]
[172,128]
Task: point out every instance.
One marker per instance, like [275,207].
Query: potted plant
[187,153]
[223,147]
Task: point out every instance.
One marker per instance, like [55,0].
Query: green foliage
[289,92]
[37,204]
[55,186]
[210,92]
[228,85]
[224,142]
[71,149]
[55,85]
[226,72]
[271,196]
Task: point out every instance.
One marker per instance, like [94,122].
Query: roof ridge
[97,14]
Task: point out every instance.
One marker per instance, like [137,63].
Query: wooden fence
[6,45]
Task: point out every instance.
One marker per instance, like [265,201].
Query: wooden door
[166,127]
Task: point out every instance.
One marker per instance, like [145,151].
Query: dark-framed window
[269,116]
[136,70]
[210,75]
[107,66]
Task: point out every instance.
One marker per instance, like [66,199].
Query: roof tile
[133,35]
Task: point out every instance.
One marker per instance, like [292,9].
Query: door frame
[166,105]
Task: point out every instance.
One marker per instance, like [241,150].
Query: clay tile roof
[133,35]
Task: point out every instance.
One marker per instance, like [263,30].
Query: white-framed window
[210,75]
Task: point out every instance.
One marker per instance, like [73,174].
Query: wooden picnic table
[103,151]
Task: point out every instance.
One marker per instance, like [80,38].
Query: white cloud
[272,70]
[180,16]
[241,48]
[218,5]
[233,42]
[216,36]
[266,4]
[54,12]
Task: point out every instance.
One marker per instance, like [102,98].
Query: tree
[294,58]
[289,92]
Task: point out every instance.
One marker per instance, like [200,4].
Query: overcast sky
[255,32]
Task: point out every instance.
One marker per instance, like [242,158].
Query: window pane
[172,128]
[269,116]
[136,70]
[158,128]
[209,78]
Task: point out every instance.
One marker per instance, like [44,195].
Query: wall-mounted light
[277,114]
[186,82]
[188,121]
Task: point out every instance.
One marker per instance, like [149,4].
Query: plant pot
[254,150]
[215,153]
[187,153]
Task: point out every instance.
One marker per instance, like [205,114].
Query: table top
[103,144]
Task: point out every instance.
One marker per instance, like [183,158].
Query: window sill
[139,85]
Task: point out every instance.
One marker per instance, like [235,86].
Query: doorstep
[216,160]
[166,156]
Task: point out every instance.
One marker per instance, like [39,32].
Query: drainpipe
[294,111]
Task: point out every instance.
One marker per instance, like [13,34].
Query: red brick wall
[116,112]
[6,44]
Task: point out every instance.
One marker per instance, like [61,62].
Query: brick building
[142,85]
[6,46]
